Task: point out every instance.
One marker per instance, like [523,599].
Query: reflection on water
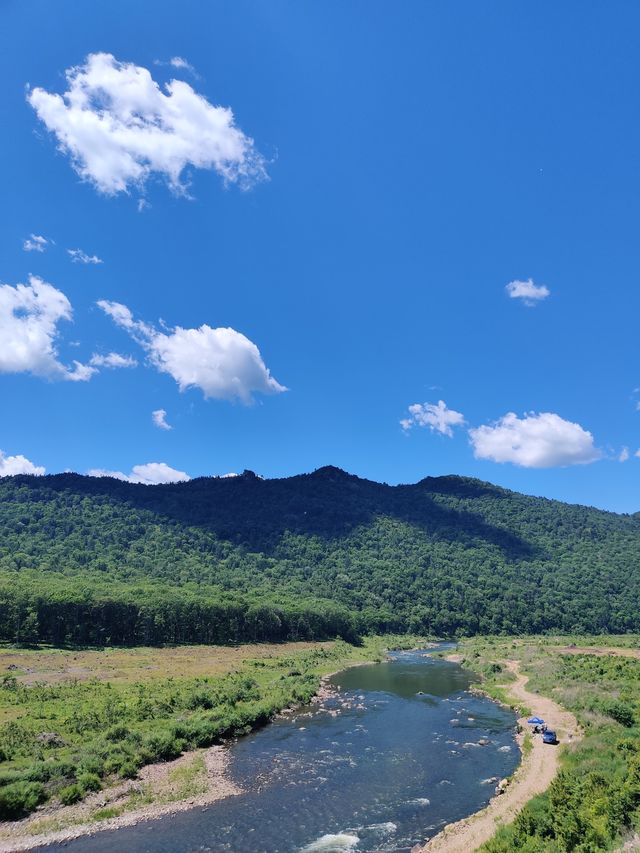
[402,750]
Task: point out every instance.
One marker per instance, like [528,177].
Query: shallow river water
[382,765]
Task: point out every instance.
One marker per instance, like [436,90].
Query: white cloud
[36,243]
[29,317]
[179,62]
[12,465]
[78,256]
[159,417]
[119,313]
[119,127]
[150,474]
[233,474]
[542,440]
[436,416]
[527,291]
[223,363]
[112,360]
[624,454]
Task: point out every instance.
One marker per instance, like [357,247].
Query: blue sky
[409,161]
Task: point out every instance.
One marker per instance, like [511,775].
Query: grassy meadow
[72,722]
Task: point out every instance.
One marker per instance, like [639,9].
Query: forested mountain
[98,560]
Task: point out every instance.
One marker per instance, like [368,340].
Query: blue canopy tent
[536,721]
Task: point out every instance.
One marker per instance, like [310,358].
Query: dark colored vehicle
[549,737]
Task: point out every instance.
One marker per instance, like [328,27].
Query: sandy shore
[533,776]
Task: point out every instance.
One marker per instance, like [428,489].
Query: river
[401,749]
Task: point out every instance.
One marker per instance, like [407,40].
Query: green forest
[218,560]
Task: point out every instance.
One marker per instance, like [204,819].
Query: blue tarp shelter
[535,721]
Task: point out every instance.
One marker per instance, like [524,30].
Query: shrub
[620,712]
[71,794]
[116,733]
[163,746]
[115,760]
[128,770]
[91,765]
[20,798]
[89,782]
[201,698]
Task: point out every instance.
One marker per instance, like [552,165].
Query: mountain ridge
[326,472]
[91,559]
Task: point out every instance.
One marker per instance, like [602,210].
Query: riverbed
[394,752]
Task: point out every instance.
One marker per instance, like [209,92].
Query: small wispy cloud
[179,63]
[624,454]
[113,360]
[36,243]
[528,292]
[78,256]
[159,417]
[437,416]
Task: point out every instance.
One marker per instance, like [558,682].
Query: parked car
[549,737]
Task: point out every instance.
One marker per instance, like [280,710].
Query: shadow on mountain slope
[329,504]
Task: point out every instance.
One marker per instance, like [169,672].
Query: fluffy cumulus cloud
[12,465]
[150,474]
[36,243]
[527,292]
[437,416]
[542,440]
[159,418]
[78,256]
[29,318]
[112,360]
[223,363]
[119,127]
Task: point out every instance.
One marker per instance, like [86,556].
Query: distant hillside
[97,560]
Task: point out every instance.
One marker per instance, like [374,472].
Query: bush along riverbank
[62,739]
[593,803]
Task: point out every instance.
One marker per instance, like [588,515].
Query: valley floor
[106,738]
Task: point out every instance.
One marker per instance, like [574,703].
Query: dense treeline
[39,610]
[96,560]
